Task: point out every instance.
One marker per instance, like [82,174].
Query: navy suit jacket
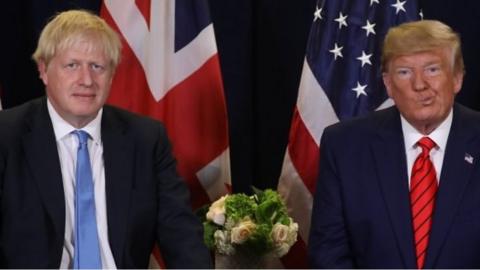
[147,202]
[361,215]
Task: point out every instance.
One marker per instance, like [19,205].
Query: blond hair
[69,27]
[420,36]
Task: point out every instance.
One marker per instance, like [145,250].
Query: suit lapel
[42,157]
[456,172]
[390,161]
[118,153]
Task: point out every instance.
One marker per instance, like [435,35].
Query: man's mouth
[426,101]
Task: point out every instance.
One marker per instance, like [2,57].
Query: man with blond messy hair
[399,188]
[84,184]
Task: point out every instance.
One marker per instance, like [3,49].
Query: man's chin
[85,113]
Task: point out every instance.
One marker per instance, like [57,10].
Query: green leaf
[239,206]
[271,208]
[261,242]
[209,229]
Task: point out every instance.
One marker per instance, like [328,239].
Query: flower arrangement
[257,224]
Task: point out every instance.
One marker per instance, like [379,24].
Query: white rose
[279,233]
[292,233]
[216,212]
[284,237]
[242,231]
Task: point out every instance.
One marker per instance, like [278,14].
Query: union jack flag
[170,71]
[341,78]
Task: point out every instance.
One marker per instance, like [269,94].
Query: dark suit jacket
[361,214]
[146,201]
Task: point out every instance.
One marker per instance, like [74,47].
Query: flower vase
[244,260]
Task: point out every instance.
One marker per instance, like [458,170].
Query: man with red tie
[399,188]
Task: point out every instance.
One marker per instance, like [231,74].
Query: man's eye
[403,73]
[71,65]
[97,67]
[434,70]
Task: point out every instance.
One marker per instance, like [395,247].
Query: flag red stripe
[144,7]
[304,152]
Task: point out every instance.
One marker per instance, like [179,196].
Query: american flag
[170,71]
[341,78]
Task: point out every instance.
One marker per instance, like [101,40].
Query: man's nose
[419,82]
[86,76]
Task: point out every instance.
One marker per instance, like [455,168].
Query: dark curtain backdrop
[261,44]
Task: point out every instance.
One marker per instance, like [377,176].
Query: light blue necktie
[87,252]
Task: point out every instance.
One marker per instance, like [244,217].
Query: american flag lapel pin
[468,158]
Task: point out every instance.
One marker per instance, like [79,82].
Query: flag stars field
[360,90]
[337,51]
[365,58]
[342,20]
[399,6]
[317,15]
[369,28]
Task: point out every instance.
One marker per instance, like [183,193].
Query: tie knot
[82,136]
[427,144]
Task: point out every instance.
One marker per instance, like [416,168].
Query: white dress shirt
[67,144]
[440,135]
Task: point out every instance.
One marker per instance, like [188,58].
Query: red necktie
[423,187]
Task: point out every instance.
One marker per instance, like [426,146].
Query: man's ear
[457,81]
[42,71]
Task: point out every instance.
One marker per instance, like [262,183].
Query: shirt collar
[62,128]
[439,135]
